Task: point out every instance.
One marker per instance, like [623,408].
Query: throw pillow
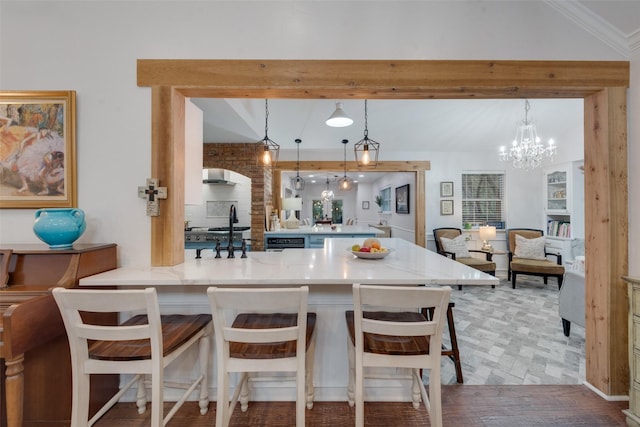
[457,245]
[530,248]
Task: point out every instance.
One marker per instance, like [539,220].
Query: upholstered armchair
[527,255]
[450,243]
[571,302]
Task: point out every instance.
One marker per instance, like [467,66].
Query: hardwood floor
[463,405]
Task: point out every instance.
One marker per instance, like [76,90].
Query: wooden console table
[35,366]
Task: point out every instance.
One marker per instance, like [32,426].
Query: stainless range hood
[217,177]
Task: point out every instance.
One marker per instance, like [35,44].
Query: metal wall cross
[152,193]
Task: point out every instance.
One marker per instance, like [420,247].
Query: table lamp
[292,204]
[486,233]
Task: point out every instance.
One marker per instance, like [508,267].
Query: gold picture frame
[38,149]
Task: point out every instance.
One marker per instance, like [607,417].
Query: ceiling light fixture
[339,118]
[345,183]
[298,183]
[366,150]
[527,152]
[269,150]
[327,194]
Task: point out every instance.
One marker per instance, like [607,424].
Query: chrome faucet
[233,219]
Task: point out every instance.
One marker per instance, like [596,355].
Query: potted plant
[378,202]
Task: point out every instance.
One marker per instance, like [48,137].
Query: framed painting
[402,199]
[365,204]
[38,149]
[446,207]
[446,189]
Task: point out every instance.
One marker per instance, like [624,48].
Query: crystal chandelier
[345,183]
[298,182]
[366,150]
[527,152]
[268,149]
[327,194]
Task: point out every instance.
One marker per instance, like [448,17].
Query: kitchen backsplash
[216,200]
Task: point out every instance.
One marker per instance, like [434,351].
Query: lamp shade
[487,232]
[339,118]
[292,204]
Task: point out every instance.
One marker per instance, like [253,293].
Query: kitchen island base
[329,272]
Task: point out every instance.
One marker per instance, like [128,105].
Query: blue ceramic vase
[59,227]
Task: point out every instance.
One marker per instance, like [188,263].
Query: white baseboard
[620,398]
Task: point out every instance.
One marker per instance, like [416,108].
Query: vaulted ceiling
[426,125]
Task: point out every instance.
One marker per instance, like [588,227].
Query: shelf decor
[446,189]
[39,149]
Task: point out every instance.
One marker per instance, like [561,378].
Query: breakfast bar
[329,272]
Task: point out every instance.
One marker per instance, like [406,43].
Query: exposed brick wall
[242,158]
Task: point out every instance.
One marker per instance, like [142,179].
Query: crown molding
[634,41]
[596,26]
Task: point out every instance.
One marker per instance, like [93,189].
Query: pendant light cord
[366,116]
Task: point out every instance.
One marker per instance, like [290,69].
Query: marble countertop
[326,229]
[407,264]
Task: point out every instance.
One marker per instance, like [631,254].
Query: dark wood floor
[463,405]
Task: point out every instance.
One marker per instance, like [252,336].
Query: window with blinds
[483,199]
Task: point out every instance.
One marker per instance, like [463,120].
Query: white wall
[92,48]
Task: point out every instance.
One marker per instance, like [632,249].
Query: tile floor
[514,336]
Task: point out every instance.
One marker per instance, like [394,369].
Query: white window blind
[483,199]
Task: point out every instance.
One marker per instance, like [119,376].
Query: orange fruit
[376,245]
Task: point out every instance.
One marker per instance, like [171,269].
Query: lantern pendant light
[366,150]
[269,150]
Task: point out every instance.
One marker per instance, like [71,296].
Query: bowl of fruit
[370,249]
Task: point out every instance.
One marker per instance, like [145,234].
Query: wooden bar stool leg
[453,353]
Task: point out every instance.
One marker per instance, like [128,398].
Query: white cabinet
[563,207]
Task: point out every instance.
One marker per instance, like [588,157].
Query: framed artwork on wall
[446,207]
[446,189]
[402,199]
[365,205]
[38,149]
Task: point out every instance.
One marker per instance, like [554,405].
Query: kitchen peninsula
[314,236]
[329,272]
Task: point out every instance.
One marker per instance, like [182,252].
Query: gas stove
[199,235]
[207,237]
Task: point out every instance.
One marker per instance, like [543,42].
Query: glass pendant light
[366,150]
[269,150]
[298,183]
[327,194]
[345,183]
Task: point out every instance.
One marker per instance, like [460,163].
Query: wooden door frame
[602,85]
[417,168]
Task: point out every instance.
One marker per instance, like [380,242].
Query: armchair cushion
[479,264]
[530,248]
[456,245]
[536,266]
